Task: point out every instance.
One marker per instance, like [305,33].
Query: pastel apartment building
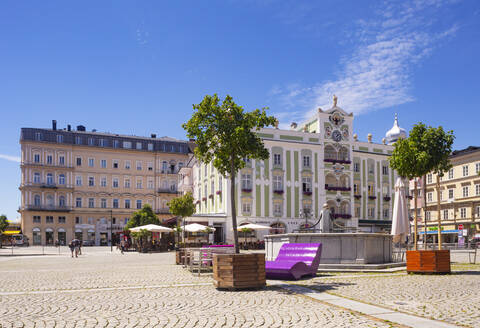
[84,184]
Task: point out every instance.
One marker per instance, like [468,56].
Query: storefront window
[62,237]
[37,237]
[49,237]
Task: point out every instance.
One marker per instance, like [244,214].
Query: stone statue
[335,101]
[276,124]
[326,220]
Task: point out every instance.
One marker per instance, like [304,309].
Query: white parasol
[400,223]
[195,227]
[152,228]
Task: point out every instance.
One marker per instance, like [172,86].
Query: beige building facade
[80,184]
[459,196]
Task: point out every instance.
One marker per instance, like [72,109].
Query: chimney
[293,126]
[54,125]
[69,127]
[153,135]
[81,128]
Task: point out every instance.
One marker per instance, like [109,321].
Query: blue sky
[137,67]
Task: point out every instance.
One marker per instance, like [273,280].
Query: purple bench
[295,261]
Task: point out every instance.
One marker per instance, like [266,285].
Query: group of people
[75,246]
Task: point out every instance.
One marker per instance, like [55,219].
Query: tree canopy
[3,223]
[142,217]
[224,135]
[182,206]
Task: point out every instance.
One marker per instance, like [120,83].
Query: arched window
[343,154]
[36,177]
[61,201]
[330,181]
[50,200]
[61,179]
[36,200]
[330,153]
[345,181]
[164,166]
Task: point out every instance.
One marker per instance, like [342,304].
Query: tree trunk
[424,212]
[415,214]
[438,214]
[232,206]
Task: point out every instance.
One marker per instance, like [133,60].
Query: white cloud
[377,73]
[10,158]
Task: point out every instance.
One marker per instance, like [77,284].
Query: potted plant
[182,207]
[427,149]
[224,135]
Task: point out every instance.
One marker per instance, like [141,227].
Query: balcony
[278,192]
[342,216]
[62,166]
[335,188]
[307,192]
[167,191]
[164,210]
[246,189]
[46,185]
[50,208]
[340,161]
[372,197]
[357,196]
[218,192]
[387,198]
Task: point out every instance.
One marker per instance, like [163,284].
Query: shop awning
[11,232]
[435,232]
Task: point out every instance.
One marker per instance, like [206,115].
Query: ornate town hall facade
[318,162]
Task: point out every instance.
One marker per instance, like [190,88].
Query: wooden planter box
[178,256]
[239,271]
[428,261]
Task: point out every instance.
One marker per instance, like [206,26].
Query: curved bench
[294,261]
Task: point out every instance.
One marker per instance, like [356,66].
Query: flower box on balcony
[219,192]
[279,192]
[210,196]
[357,196]
[198,202]
[409,197]
[204,198]
[246,190]
[372,197]
[308,193]
[386,198]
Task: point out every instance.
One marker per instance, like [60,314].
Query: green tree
[142,217]
[411,160]
[3,226]
[182,207]
[438,143]
[224,135]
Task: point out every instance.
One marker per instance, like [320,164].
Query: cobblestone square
[103,289]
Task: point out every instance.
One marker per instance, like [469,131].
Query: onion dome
[395,133]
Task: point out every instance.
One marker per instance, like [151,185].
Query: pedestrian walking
[71,246]
[76,246]
[122,245]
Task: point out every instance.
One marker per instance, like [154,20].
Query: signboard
[461,241]
[465,233]
[460,227]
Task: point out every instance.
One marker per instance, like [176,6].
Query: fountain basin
[338,248]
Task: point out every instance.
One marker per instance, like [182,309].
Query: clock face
[336,136]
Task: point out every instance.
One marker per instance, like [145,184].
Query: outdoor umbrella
[252,226]
[152,228]
[195,227]
[400,223]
